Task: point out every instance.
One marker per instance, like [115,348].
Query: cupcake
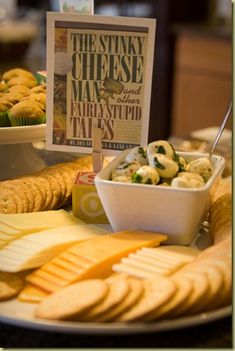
[38,89]
[3,87]
[19,89]
[30,83]
[13,97]
[17,72]
[4,108]
[40,97]
[27,112]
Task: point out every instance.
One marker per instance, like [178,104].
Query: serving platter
[17,313]
[22,134]
[22,315]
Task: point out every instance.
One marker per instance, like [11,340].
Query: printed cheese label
[99,68]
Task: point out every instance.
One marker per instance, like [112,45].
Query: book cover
[99,72]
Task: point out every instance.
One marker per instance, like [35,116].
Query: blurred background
[192,74]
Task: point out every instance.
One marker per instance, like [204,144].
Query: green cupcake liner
[4,119]
[26,121]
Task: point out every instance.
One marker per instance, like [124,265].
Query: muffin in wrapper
[26,113]
[4,107]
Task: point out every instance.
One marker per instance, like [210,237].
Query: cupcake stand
[18,156]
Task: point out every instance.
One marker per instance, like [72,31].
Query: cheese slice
[6,229]
[133,271]
[175,252]
[31,293]
[94,257]
[37,221]
[38,248]
[164,260]
[146,266]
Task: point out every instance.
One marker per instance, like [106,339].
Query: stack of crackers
[48,189]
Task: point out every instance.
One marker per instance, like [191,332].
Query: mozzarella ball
[125,168]
[146,175]
[123,179]
[138,154]
[187,182]
[165,166]
[201,166]
[161,147]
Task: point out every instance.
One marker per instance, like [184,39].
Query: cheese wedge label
[93,257]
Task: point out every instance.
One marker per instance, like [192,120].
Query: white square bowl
[176,212]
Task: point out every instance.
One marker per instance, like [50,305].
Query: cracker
[20,190]
[216,282]
[156,292]
[10,285]
[136,287]
[220,218]
[199,295]
[224,265]
[45,189]
[8,201]
[68,303]
[58,176]
[55,189]
[184,289]
[31,183]
[118,289]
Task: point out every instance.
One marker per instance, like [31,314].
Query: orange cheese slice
[31,293]
[94,258]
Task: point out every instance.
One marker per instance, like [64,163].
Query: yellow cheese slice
[37,221]
[31,293]
[95,257]
[6,229]
[36,249]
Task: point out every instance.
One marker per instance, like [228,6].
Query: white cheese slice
[38,248]
[133,271]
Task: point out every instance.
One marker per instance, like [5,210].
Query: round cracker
[118,289]
[224,265]
[45,189]
[199,295]
[136,290]
[216,282]
[56,190]
[156,292]
[69,302]
[220,218]
[10,285]
[184,289]
[31,182]
[8,201]
[20,189]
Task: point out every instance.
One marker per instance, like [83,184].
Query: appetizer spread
[159,164]
[75,271]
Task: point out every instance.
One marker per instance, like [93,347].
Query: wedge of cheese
[36,221]
[14,226]
[34,250]
[91,259]
[31,293]
[152,262]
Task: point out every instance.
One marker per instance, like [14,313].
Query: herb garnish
[157,164]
